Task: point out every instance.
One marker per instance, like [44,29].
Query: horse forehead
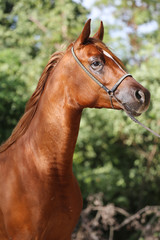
[91,50]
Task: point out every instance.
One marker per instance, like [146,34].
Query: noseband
[109,91]
[112,90]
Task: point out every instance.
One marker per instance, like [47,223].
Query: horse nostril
[140,96]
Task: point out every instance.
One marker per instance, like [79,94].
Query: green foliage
[117,157]
[12,94]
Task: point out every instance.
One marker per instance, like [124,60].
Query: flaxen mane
[32,104]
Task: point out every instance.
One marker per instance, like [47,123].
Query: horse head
[95,59]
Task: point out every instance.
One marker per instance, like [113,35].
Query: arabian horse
[39,195]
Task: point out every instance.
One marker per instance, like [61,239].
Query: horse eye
[96,65]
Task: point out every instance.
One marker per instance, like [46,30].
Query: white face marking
[108,55]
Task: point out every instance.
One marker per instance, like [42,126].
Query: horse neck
[54,128]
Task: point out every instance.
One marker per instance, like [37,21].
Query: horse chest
[47,209]
[61,212]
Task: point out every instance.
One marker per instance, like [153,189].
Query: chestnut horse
[39,196]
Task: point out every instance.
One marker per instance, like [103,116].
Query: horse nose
[140,96]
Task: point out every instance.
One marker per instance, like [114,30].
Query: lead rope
[136,121]
[141,124]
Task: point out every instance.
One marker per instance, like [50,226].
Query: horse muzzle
[134,99]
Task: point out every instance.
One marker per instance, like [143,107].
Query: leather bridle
[111,91]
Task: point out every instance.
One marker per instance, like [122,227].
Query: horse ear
[82,39]
[100,33]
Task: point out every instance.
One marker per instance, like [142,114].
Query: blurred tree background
[113,155]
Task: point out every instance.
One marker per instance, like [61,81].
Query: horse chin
[131,111]
[134,114]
